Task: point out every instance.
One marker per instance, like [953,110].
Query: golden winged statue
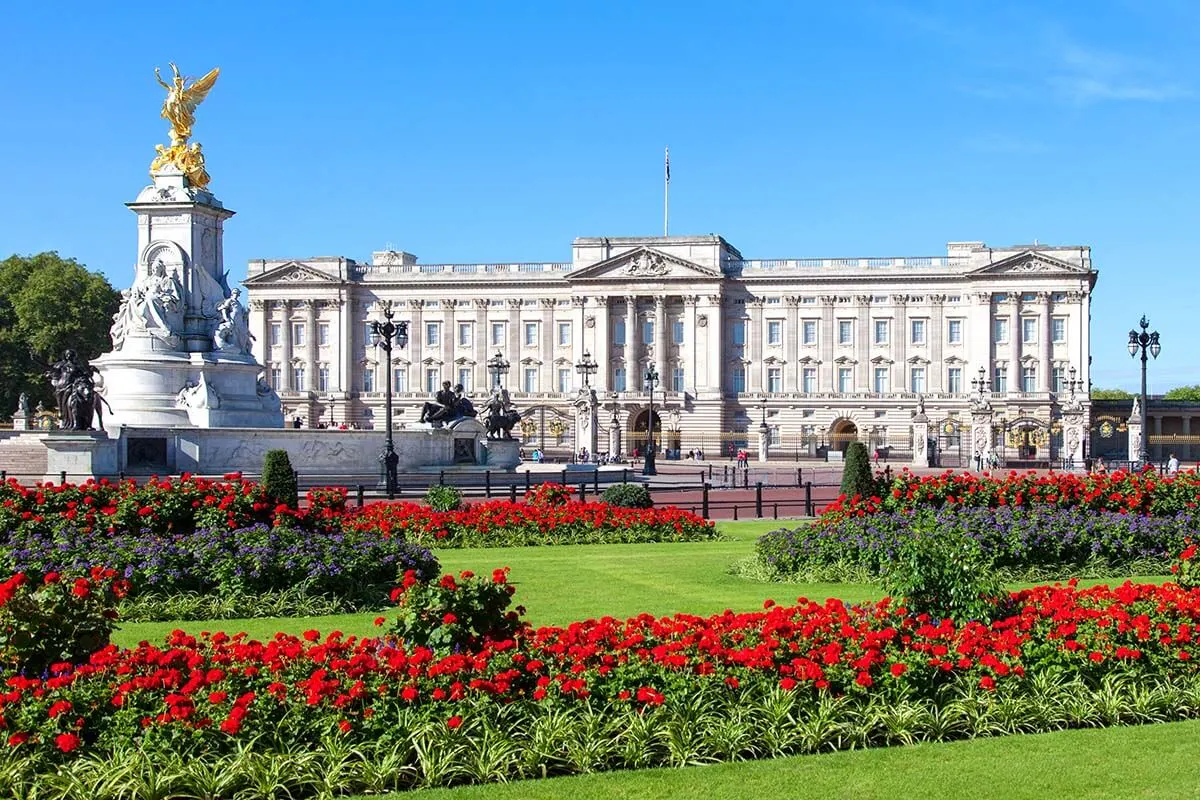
[180,110]
[180,106]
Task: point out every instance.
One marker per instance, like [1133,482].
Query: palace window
[275,327]
[774,332]
[298,377]
[881,331]
[1000,329]
[774,379]
[530,379]
[954,380]
[497,334]
[465,377]
[1029,329]
[917,383]
[881,380]
[810,331]
[677,332]
[368,378]
[564,334]
[677,379]
[739,378]
[322,379]
[298,334]
[1000,379]
[399,379]
[845,331]
[531,334]
[1029,378]
[738,331]
[1058,379]
[810,379]
[845,380]
[276,378]
[433,334]
[466,332]
[564,380]
[618,330]
[618,379]
[954,331]
[323,334]
[1058,330]
[648,331]
[433,379]
[918,331]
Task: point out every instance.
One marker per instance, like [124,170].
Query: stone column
[602,347]
[587,421]
[717,355]
[416,346]
[449,339]
[633,379]
[689,356]
[1016,345]
[900,382]
[346,347]
[662,364]
[764,443]
[862,343]
[827,377]
[285,331]
[515,381]
[549,380]
[980,348]
[262,309]
[614,433]
[754,346]
[1047,359]
[981,437]
[310,327]
[483,380]
[1074,433]
[935,381]
[791,346]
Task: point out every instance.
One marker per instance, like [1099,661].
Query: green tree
[48,304]
[279,478]
[1111,394]
[1189,393]
[856,474]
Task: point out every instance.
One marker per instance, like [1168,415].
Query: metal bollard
[62,477]
[776,509]
[624,474]
[358,492]
[527,484]
[704,502]
[758,500]
[746,478]
[735,508]
[512,493]
[442,477]
[799,475]
[701,476]
[596,482]
[808,503]
[583,492]
[487,484]
[563,478]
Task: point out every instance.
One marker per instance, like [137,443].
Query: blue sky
[500,131]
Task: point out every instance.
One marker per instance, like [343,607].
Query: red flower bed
[213,693]
[1121,492]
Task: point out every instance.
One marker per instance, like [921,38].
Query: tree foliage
[48,304]
[1111,394]
[1188,393]
[856,474]
[279,478]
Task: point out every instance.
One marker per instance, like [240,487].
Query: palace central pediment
[292,272]
[1030,262]
[643,263]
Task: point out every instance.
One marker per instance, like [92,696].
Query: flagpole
[667,193]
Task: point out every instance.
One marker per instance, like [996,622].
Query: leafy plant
[1186,568]
[443,498]
[940,572]
[548,495]
[857,480]
[57,619]
[628,495]
[452,614]
[279,479]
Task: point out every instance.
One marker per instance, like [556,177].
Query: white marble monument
[181,344]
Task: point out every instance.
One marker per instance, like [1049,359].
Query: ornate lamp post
[383,335]
[498,367]
[587,367]
[1073,383]
[1145,341]
[980,384]
[651,381]
[330,400]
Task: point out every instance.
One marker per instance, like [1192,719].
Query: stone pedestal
[1074,435]
[981,438]
[764,443]
[502,453]
[20,421]
[614,436]
[80,454]
[1134,425]
[921,457]
[587,419]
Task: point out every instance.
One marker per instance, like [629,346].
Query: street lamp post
[383,335]
[651,381]
[330,400]
[587,367]
[1145,341]
[498,367]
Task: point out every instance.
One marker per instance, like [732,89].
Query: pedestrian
[1172,465]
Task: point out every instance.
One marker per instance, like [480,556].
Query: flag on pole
[668,164]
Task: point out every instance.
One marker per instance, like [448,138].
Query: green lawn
[563,584]
[1154,761]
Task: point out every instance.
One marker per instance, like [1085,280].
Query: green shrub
[443,498]
[56,618]
[455,614]
[944,573]
[856,475]
[279,479]
[548,495]
[628,495]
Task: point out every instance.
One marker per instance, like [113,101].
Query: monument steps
[23,456]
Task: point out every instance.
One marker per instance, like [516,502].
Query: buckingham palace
[815,352]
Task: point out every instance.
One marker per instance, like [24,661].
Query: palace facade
[820,351]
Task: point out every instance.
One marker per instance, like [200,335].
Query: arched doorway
[640,427]
[841,433]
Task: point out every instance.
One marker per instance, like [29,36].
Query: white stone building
[820,350]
